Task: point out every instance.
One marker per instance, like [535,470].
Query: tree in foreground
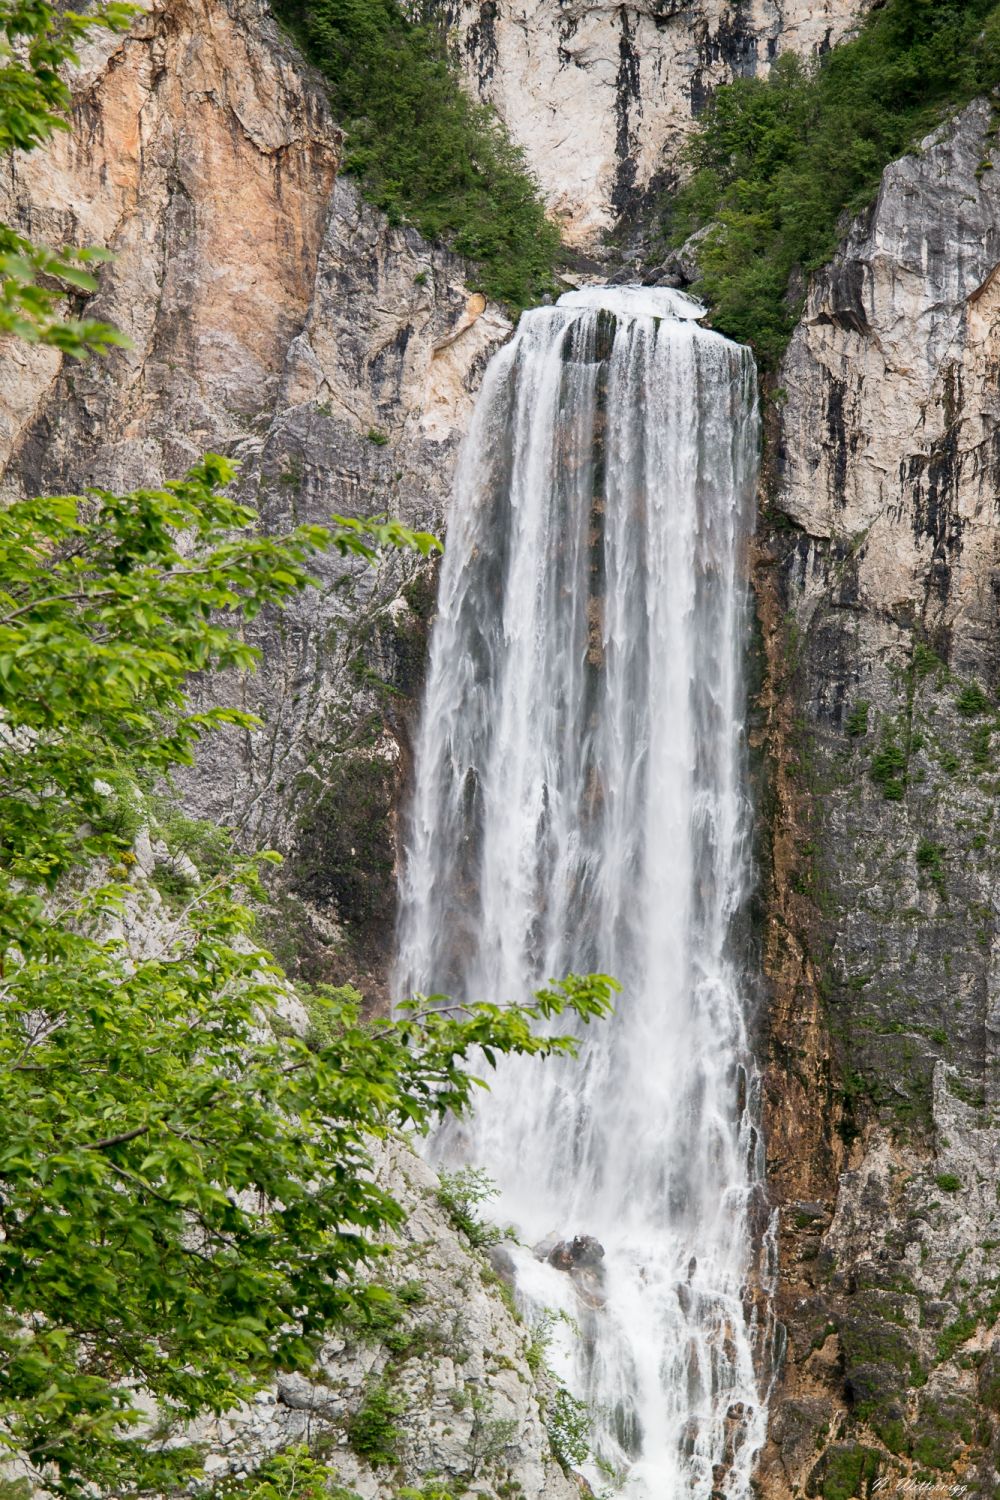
[186,1205]
[185,1197]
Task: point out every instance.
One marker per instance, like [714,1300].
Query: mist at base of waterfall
[580,804]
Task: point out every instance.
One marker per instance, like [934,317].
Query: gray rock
[602,97]
[882,566]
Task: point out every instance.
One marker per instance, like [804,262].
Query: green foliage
[381,1319]
[849,1473]
[856,723]
[889,770]
[36,41]
[979,744]
[490,1436]
[324,1006]
[460,1194]
[778,162]
[371,1431]
[185,1196]
[948,1182]
[205,844]
[173,884]
[930,859]
[430,1491]
[536,1353]
[291,1475]
[567,1423]
[925,660]
[424,151]
[124,811]
[972,701]
[955,1334]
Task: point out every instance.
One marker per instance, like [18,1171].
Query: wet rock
[545,1246]
[580,1253]
[582,1258]
[680,267]
[502,1262]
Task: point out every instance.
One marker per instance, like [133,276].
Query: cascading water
[580,805]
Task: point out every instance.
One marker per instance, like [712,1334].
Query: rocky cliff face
[277,319]
[879,580]
[602,96]
[457,1394]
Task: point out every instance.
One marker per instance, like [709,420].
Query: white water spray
[580,804]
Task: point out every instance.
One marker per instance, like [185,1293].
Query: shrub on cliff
[423,149]
[779,162]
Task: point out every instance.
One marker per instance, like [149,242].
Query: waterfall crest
[580,804]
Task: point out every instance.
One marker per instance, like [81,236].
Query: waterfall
[580,805]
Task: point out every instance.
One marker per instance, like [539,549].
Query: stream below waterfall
[580,804]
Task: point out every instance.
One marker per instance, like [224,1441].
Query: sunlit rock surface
[602,97]
[473,1415]
[275,318]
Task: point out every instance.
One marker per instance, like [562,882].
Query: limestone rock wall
[472,1399]
[275,318]
[602,96]
[879,582]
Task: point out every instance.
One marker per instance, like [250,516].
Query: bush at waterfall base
[423,150]
[567,1422]
[778,163]
[185,1197]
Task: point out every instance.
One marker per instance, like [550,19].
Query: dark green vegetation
[778,163]
[460,1195]
[423,150]
[371,1432]
[849,1472]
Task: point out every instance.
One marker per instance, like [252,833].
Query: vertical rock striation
[603,95]
[879,581]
